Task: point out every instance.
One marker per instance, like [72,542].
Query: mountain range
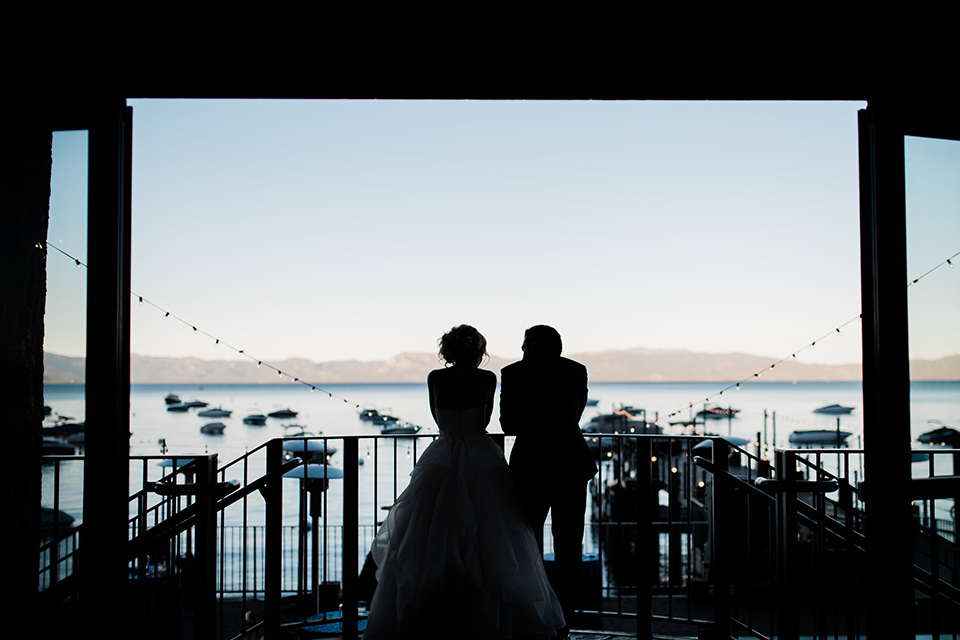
[616,365]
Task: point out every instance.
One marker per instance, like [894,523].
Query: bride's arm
[491,391]
[431,382]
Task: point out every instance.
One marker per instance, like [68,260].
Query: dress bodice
[462,424]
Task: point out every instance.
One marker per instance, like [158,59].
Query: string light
[166,314]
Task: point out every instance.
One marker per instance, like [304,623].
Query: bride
[455,557]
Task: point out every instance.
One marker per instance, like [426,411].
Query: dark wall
[25,164]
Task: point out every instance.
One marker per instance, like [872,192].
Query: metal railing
[680,531]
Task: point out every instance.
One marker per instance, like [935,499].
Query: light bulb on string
[949,263]
[216,342]
[838,331]
[738,386]
[78,264]
[279,373]
[166,315]
[259,363]
[141,301]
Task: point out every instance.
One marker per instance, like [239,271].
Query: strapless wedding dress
[455,557]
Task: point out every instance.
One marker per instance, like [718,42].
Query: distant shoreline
[637,365]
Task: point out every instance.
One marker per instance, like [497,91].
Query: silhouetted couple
[460,554]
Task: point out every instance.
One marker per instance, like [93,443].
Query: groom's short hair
[542,340]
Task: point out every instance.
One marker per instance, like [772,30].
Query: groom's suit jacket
[541,401]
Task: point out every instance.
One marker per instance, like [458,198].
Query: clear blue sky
[361,229]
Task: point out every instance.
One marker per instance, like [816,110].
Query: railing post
[273,496]
[205,599]
[645,559]
[787,588]
[720,535]
[351,517]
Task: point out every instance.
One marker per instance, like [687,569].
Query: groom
[541,400]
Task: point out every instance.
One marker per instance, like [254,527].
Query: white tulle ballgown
[455,557]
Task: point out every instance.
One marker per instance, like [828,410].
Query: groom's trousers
[567,503]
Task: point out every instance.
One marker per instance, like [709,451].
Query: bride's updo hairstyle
[463,345]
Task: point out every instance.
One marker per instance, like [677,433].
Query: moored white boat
[834,410]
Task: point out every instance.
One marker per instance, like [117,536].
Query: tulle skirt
[455,556]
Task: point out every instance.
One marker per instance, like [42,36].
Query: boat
[400,428]
[213,428]
[718,412]
[172,398]
[255,418]
[290,430]
[834,409]
[63,429]
[215,413]
[178,408]
[819,437]
[591,402]
[195,403]
[943,435]
[368,414]
[283,413]
[47,410]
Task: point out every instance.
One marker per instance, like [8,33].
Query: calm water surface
[787,407]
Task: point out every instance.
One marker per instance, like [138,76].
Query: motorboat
[400,428]
[178,408]
[214,413]
[591,402]
[833,437]
[383,420]
[195,403]
[834,410]
[213,428]
[711,411]
[283,413]
[255,418]
[63,428]
[297,430]
[368,414]
[172,398]
[943,436]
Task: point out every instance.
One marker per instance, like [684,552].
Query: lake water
[333,412]
[319,412]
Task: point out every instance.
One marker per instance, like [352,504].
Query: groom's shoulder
[513,366]
[571,364]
